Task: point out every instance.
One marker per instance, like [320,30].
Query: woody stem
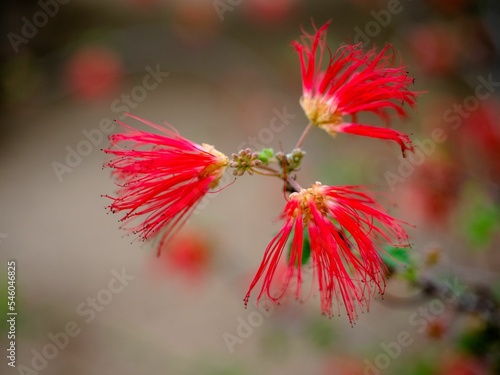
[293,184]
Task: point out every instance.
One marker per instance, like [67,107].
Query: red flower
[461,364]
[353,82]
[93,72]
[435,191]
[189,254]
[161,177]
[344,245]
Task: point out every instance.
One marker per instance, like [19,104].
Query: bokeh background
[222,70]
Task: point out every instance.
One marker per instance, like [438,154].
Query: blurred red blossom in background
[433,191]
[188,255]
[461,364]
[270,12]
[94,72]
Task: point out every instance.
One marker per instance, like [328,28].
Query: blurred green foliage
[400,262]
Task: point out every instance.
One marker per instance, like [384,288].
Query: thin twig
[304,135]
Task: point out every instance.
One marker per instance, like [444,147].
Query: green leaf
[480,215]
[410,274]
[479,341]
[265,155]
[417,365]
[322,333]
[481,224]
[306,249]
[396,257]
[398,260]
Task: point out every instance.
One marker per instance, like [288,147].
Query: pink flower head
[353,82]
[345,239]
[160,177]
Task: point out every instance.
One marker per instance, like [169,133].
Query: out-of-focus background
[221,72]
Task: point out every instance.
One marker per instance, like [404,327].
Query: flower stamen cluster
[306,198]
[320,111]
[345,228]
[352,82]
[160,178]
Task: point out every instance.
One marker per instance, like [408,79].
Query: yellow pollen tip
[320,112]
[311,196]
[215,169]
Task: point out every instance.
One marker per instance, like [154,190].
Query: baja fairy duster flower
[161,178]
[345,228]
[353,82]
